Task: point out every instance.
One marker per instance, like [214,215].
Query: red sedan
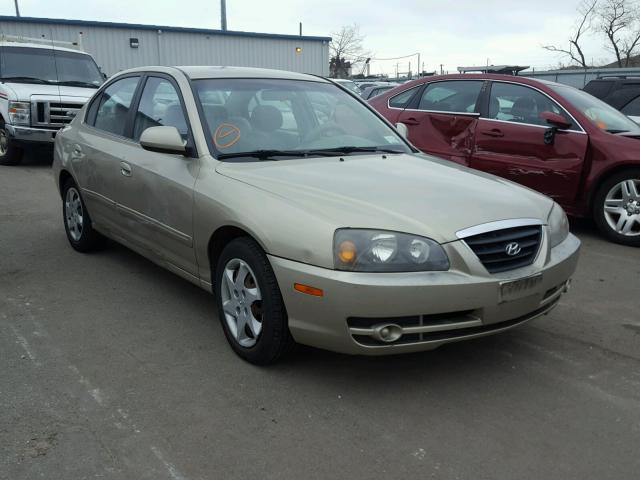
[550,137]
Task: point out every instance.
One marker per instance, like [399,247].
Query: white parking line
[173,471]
[25,345]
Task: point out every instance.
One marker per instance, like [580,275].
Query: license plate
[520,288]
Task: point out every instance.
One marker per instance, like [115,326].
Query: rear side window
[454,96]
[402,99]
[632,108]
[113,106]
[159,106]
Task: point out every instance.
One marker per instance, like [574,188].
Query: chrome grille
[492,248]
[54,114]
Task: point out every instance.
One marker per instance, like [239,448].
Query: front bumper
[31,135]
[432,308]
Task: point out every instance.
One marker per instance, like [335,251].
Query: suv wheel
[617,208]
[250,306]
[10,153]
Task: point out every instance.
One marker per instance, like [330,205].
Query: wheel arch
[221,238]
[62,179]
[606,175]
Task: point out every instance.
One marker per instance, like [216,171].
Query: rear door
[441,120]
[510,142]
[97,154]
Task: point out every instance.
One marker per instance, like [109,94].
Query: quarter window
[632,108]
[159,106]
[520,104]
[402,99]
[114,104]
[454,96]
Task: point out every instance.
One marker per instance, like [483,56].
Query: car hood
[407,193]
[24,91]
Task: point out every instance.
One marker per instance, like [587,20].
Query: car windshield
[259,119]
[40,65]
[601,114]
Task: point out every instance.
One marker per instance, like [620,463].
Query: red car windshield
[601,114]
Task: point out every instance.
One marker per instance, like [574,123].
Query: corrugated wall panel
[110,47]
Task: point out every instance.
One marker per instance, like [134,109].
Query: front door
[510,142]
[443,119]
[156,194]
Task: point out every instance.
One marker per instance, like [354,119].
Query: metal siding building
[109,43]
[579,78]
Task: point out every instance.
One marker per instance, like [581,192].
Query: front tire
[77,222]
[250,306]
[616,208]
[10,153]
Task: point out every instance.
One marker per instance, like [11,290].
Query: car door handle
[494,132]
[411,121]
[125,169]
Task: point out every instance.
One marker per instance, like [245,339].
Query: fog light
[388,332]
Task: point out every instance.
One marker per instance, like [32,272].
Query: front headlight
[558,225]
[359,250]
[19,113]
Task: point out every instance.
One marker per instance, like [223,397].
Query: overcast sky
[454,33]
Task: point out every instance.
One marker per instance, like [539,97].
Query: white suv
[42,87]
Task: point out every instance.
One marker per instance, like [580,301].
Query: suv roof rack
[77,45]
[621,77]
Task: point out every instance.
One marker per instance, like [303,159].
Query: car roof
[203,72]
[534,82]
[41,46]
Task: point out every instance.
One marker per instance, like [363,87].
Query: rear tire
[77,222]
[616,207]
[10,153]
[250,305]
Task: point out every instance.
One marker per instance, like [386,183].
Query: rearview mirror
[402,130]
[163,140]
[556,120]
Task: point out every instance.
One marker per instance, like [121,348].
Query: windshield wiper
[264,154]
[614,131]
[78,83]
[26,79]
[351,149]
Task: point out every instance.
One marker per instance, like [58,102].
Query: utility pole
[441,70]
[300,28]
[17,9]
[223,15]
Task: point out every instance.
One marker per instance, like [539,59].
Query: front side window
[40,65]
[520,104]
[453,96]
[159,106]
[114,104]
[295,118]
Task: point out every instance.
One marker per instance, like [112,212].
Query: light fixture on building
[298,49]
[134,43]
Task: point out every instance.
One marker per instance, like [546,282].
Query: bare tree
[620,22]
[584,25]
[347,46]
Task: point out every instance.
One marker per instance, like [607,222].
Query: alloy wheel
[73,213]
[622,208]
[241,302]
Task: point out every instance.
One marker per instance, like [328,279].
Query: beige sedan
[310,218]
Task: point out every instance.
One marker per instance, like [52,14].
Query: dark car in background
[375,90]
[550,137]
[621,92]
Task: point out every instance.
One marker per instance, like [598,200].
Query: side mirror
[556,120]
[163,140]
[402,130]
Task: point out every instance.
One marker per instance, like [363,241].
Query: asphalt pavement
[112,368]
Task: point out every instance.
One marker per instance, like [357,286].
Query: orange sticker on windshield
[226,135]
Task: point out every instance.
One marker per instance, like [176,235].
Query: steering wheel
[324,131]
